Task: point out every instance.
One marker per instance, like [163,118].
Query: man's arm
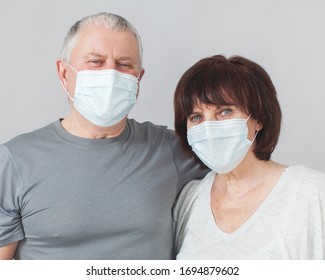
[7,252]
[188,168]
[11,229]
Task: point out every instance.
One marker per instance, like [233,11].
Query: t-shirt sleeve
[10,188]
[182,211]
[188,169]
[318,179]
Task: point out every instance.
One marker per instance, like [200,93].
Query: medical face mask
[104,97]
[220,145]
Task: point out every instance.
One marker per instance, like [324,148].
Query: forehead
[212,107]
[100,40]
[203,100]
[215,102]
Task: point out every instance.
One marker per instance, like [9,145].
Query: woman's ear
[259,126]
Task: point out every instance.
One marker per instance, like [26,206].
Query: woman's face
[202,113]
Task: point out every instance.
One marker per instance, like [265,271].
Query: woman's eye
[195,118]
[226,112]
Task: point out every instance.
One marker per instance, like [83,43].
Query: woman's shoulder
[302,172]
[195,186]
[192,191]
[306,177]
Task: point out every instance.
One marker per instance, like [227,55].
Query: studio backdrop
[286,37]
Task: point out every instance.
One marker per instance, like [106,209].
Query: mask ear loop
[255,132]
[138,82]
[138,77]
[71,67]
[255,136]
[65,90]
[248,117]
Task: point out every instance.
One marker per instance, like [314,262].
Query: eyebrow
[226,105]
[198,110]
[195,112]
[124,58]
[94,55]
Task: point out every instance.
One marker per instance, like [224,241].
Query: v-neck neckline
[252,218]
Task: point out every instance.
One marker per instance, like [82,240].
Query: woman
[228,117]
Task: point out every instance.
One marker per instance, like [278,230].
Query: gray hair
[109,20]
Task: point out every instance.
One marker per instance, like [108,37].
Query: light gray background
[287,37]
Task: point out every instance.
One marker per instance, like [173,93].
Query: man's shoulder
[146,125]
[149,129]
[25,139]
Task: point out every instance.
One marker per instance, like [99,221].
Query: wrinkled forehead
[92,39]
[102,36]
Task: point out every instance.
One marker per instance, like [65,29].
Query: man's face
[98,48]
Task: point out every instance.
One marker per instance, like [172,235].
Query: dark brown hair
[220,81]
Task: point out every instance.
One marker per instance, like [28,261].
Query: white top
[289,224]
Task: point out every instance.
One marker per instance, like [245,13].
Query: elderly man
[95,184]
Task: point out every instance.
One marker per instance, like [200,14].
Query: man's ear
[139,79]
[62,71]
[141,74]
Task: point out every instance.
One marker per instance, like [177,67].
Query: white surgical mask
[220,145]
[104,97]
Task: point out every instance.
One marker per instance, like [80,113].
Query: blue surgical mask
[220,145]
[104,97]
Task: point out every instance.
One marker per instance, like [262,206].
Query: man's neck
[79,126]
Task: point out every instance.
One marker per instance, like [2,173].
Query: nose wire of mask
[138,77]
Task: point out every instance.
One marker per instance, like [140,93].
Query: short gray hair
[109,20]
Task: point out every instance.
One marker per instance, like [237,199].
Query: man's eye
[95,61]
[124,65]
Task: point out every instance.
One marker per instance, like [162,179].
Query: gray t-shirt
[66,197]
[289,224]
